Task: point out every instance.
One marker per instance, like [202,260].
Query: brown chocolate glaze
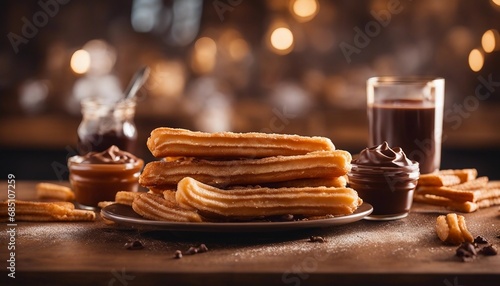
[112,155]
[383,156]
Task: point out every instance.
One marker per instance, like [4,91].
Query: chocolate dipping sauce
[98,176]
[386,179]
[409,124]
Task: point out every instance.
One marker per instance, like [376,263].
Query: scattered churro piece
[451,193]
[165,142]
[463,194]
[493,185]
[125,197]
[46,211]
[466,207]
[475,184]
[156,207]
[465,175]
[248,203]
[54,192]
[162,174]
[467,236]
[435,179]
[452,229]
[78,215]
[104,204]
[486,203]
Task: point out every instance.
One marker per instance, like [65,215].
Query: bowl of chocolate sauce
[98,176]
[385,178]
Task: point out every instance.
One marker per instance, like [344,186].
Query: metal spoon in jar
[136,83]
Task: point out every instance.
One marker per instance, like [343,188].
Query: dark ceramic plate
[124,214]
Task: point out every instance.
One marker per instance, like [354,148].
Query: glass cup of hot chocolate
[408,112]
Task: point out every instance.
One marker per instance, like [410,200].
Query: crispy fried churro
[155,207]
[464,174]
[126,198]
[337,182]
[475,184]
[468,195]
[451,193]
[452,229]
[471,191]
[54,192]
[439,180]
[466,207]
[45,211]
[162,174]
[165,142]
[256,202]
[103,204]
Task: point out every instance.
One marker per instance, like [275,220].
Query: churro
[464,174]
[125,197]
[249,203]
[471,191]
[452,229]
[103,204]
[439,180]
[451,193]
[54,192]
[155,207]
[46,211]
[474,184]
[319,164]
[469,194]
[165,142]
[337,182]
[466,207]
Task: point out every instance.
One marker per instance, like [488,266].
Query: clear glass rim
[404,79]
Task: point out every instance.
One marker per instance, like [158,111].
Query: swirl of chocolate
[112,155]
[382,155]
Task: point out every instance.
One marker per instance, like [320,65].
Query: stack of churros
[458,190]
[233,176]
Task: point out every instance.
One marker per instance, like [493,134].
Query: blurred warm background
[286,66]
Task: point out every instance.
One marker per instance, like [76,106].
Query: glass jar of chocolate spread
[105,124]
[98,176]
[385,178]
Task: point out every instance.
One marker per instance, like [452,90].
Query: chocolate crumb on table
[178,254]
[317,239]
[134,245]
[469,251]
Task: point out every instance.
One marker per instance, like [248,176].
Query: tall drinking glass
[407,112]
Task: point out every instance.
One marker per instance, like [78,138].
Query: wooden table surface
[401,252]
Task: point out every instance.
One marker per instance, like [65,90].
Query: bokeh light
[304,10]
[167,79]
[476,60]
[80,61]
[102,57]
[282,39]
[489,40]
[238,49]
[204,56]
